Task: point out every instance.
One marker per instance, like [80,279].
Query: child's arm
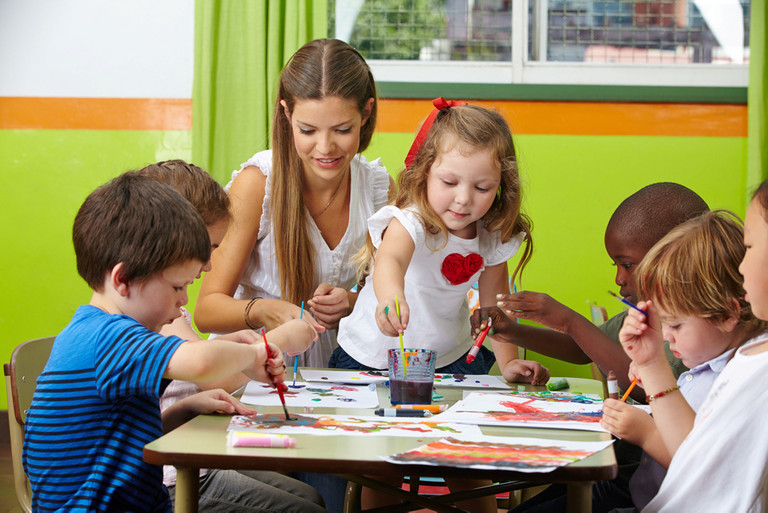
[392,260]
[633,425]
[210,360]
[542,309]
[494,280]
[643,341]
[293,337]
[210,401]
[217,310]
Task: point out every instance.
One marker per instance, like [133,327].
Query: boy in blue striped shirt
[138,244]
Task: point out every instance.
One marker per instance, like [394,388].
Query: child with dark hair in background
[229,491]
[720,463]
[692,277]
[636,225]
[138,245]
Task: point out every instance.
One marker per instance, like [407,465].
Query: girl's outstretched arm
[390,264]
[495,280]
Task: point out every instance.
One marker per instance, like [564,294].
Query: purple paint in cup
[411,385]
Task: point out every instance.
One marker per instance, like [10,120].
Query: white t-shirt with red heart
[436,285]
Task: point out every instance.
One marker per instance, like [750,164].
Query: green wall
[571,185]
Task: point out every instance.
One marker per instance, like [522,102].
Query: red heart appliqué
[458,269]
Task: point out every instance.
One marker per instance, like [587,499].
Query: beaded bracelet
[649,398]
[248,309]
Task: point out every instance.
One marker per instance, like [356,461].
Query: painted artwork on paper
[349,425]
[523,409]
[367,377]
[499,453]
[352,377]
[470,381]
[312,394]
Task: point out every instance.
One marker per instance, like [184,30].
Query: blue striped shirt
[94,409]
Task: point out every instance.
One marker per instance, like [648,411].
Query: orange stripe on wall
[587,118]
[21,113]
[396,115]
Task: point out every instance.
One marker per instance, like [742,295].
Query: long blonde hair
[319,69]
[478,129]
[694,271]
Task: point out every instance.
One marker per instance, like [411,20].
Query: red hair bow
[440,104]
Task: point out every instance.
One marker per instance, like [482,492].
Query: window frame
[522,71]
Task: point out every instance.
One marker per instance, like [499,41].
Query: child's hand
[329,304]
[626,421]
[267,368]
[537,307]
[215,401]
[386,317]
[501,326]
[641,335]
[633,373]
[209,401]
[525,371]
[301,335]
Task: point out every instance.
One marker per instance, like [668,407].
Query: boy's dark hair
[141,222]
[650,213]
[197,187]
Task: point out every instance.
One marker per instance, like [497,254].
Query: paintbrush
[402,348]
[279,386]
[628,303]
[296,357]
[631,386]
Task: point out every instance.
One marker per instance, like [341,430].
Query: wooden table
[201,443]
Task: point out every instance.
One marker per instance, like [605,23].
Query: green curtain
[757,145]
[240,48]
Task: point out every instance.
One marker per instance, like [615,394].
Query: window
[589,42]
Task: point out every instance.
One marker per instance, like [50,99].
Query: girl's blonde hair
[475,129]
[319,69]
[694,271]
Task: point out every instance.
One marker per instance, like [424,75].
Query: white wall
[97,48]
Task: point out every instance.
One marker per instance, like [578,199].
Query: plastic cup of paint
[411,383]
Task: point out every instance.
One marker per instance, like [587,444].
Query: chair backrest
[27,363]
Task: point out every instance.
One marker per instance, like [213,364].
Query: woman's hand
[329,304]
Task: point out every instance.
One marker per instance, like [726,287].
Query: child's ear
[730,322]
[285,110]
[117,280]
[367,111]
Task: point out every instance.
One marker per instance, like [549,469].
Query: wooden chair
[27,362]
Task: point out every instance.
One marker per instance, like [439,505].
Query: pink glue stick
[246,439]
